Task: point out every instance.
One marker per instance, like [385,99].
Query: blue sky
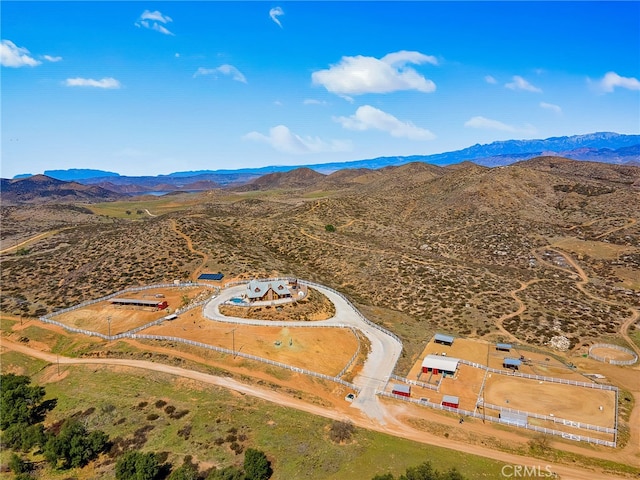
[147,88]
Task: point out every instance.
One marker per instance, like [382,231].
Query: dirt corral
[575,403]
[323,350]
[105,317]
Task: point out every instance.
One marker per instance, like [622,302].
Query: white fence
[459,411]
[563,421]
[416,383]
[127,290]
[611,360]
[247,356]
[597,386]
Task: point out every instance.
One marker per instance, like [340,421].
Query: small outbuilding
[437,364]
[450,401]
[503,347]
[402,390]
[513,418]
[211,276]
[512,363]
[443,339]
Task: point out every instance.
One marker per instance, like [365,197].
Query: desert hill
[297,178]
[40,188]
[419,248]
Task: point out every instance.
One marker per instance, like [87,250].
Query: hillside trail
[34,239]
[630,221]
[521,308]
[580,285]
[566,472]
[205,257]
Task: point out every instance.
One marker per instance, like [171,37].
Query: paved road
[383,355]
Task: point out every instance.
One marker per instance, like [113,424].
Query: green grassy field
[124,400]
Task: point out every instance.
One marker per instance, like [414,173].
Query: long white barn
[438,364]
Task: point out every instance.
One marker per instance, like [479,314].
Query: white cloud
[155,16]
[274,13]
[488,124]
[551,106]
[284,140]
[313,101]
[225,69]
[109,83]
[13,56]
[49,58]
[359,75]
[612,80]
[154,21]
[490,79]
[368,118]
[520,83]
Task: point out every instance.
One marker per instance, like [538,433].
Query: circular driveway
[379,365]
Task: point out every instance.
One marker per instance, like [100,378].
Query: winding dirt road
[566,472]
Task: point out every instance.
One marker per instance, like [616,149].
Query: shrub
[341,431]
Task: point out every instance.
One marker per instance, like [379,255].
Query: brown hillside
[43,189]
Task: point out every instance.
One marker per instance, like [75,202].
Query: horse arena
[614,354]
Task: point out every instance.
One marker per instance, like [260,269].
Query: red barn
[402,390]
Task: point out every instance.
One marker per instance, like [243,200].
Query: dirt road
[383,355]
[566,472]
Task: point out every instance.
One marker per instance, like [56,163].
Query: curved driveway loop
[385,350]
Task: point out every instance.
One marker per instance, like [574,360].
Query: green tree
[188,470]
[20,402]
[74,445]
[137,466]
[227,473]
[386,476]
[256,465]
[330,228]
[17,465]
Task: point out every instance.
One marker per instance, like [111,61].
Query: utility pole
[233,340]
[109,322]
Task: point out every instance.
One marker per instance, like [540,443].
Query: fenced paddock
[100,317]
[613,354]
[474,414]
[571,402]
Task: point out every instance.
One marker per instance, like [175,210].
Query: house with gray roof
[258,291]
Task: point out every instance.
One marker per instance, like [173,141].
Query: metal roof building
[444,339]
[450,401]
[505,347]
[400,389]
[440,364]
[211,276]
[513,418]
[511,363]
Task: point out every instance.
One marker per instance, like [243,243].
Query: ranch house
[267,291]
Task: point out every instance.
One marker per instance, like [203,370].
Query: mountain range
[604,147]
